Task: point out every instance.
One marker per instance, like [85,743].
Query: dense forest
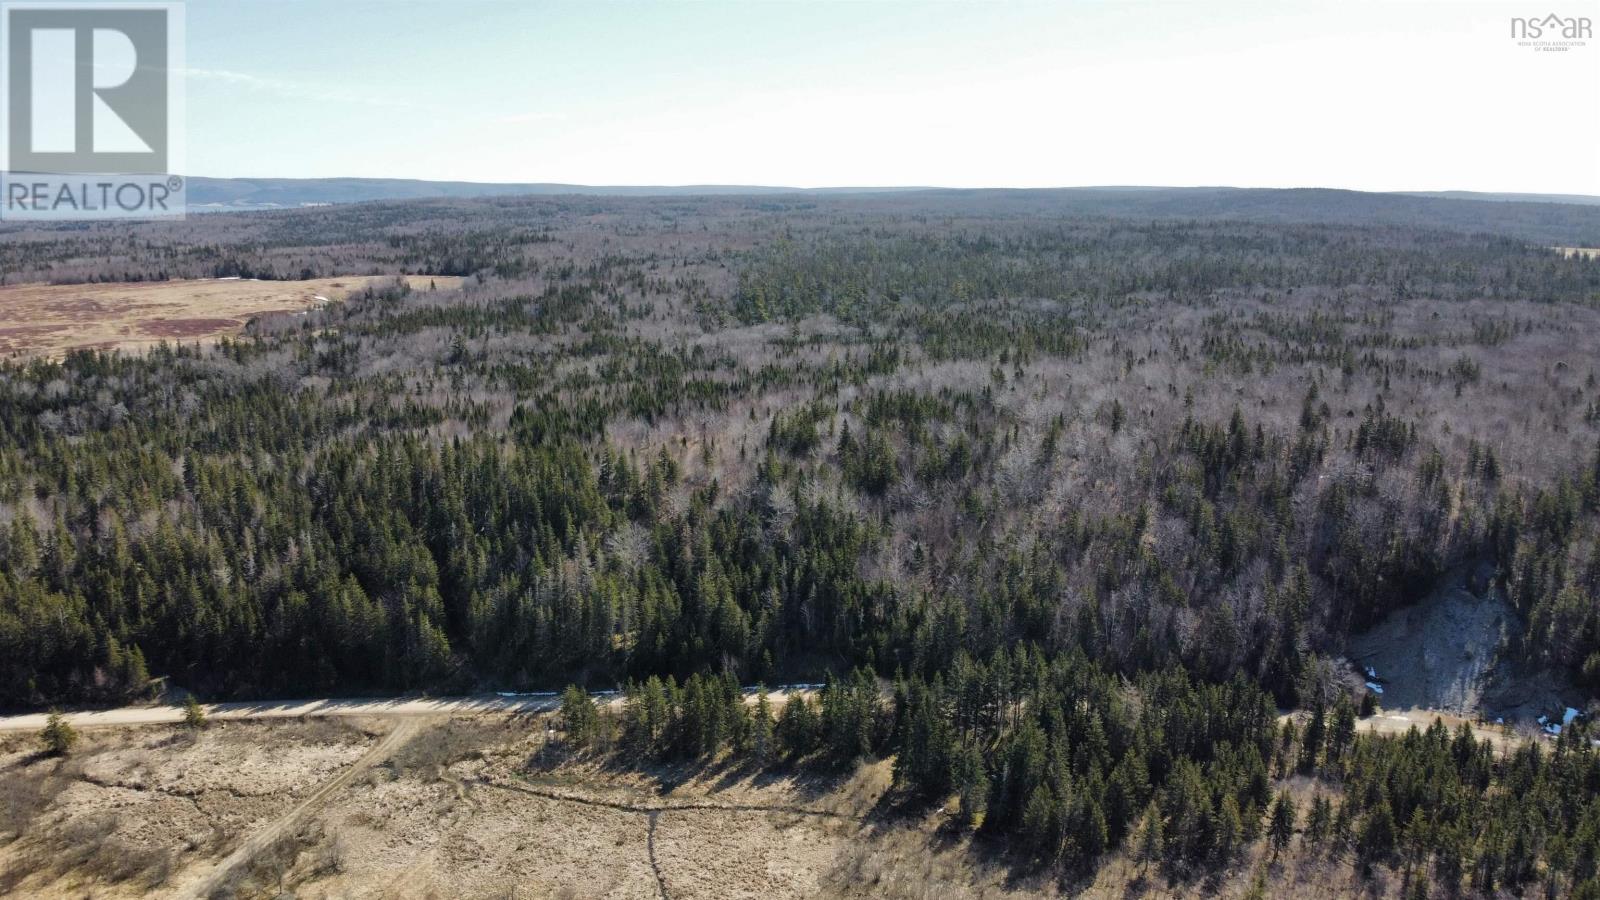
[1066,508]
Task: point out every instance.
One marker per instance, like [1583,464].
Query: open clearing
[1443,652]
[52,320]
[466,806]
[1448,655]
[135,809]
[473,797]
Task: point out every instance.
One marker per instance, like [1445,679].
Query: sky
[1391,95]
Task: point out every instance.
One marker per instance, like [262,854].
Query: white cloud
[525,117]
[294,90]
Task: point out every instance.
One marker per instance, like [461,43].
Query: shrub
[58,736]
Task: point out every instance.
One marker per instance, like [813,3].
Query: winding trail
[290,821]
[649,808]
[652,813]
[655,866]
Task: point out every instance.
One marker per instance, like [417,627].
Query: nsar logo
[1552,32]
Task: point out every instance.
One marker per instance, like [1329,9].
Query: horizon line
[887,187]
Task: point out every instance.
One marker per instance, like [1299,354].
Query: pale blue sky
[1400,94]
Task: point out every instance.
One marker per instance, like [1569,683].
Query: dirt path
[286,824]
[379,707]
[649,808]
[404,707]
[652,813]
[1398,722]
[1385,722]
[655,864]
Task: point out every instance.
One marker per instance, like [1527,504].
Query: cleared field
[483,805]
[472,806]
[1586,252]
[136,812]
[51,320]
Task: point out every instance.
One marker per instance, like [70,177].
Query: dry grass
[133,811]
[51,320]
[459,813]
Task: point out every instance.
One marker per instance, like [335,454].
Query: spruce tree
[1150,843]
[580,721]
[1280,830]
[1319,820]
[194,717]
[58,736]
[762,734]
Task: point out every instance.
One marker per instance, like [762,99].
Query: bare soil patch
[1442,652]
[1448,653]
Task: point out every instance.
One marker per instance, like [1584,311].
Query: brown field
[136,807]
[484,806]
[409,807]
[51,320]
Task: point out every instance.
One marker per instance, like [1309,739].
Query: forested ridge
[1063,509]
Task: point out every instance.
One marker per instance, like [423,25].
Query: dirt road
[392,707]
[1398,722]
[285,825]
[1384,722]
[401,707]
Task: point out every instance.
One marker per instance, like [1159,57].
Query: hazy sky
[1399,94]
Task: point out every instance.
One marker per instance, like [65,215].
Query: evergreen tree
[580,720]
[1343,732]
[1315,733]
[1377,839]
[1319,821]
[58,736]
[971,780]
[1150,842]
[762,729]
[194,717]
[1281,827]
[798,727]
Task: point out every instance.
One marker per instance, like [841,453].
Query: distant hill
[1553,223]
[1558,219]
[277,193]
[280,193]
[1584,199]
